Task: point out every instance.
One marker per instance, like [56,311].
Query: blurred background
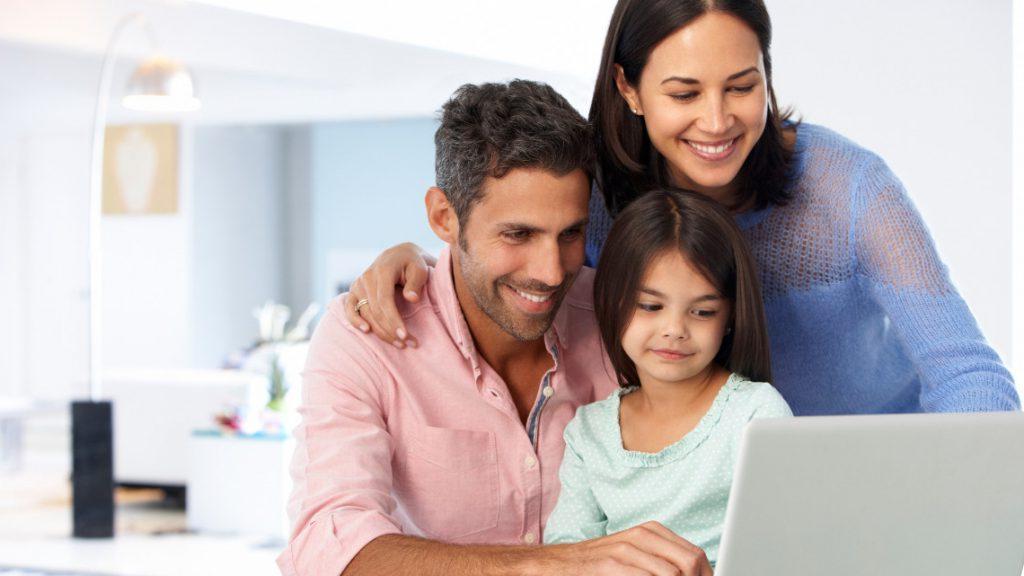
[225,230]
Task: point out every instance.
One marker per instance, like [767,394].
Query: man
[443,459]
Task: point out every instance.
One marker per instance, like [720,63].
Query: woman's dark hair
[628,165]
[700,229]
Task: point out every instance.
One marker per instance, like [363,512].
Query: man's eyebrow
[731,77]
[581,223]
[518,226]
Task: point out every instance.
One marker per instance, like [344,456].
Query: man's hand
[646,550]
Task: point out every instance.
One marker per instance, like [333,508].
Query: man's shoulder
[342,337]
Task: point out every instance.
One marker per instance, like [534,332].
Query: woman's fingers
[351,301]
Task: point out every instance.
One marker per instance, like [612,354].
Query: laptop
[906,495]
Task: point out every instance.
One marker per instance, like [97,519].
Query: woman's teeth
[706,149]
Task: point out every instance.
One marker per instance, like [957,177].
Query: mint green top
[685,486]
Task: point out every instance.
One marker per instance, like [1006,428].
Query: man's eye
[570,235]
[517,235]
[649,307]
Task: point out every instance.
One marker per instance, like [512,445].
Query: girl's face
[703,96]
[678,325]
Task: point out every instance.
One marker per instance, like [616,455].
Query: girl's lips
[713,151]
[670,354]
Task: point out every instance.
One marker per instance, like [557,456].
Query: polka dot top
[685,486]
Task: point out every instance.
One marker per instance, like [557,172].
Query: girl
[863,316]
[679,308]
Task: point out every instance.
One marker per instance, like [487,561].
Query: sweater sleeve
[577,515]
[897,261]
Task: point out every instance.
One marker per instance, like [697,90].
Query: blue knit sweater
[862,315]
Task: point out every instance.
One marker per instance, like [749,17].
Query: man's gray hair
[491,129]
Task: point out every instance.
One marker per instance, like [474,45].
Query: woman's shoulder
[750,399]
[821,150]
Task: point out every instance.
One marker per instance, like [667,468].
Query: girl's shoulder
[749,400]
[597,419]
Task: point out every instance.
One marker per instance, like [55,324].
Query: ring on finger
[361,303]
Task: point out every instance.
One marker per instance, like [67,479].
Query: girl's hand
[403,265]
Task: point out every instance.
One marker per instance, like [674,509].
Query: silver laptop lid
[907,495]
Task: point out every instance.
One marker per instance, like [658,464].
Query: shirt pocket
[448,482]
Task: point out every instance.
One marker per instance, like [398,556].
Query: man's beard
[487,295]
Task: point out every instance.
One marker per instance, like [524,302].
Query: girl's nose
[676,331]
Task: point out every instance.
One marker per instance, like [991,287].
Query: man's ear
[441,215]
[627,91]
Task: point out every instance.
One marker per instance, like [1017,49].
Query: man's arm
[646,550]
[342,490]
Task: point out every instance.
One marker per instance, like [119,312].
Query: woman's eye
[649,307]
[742,89]
[685,97]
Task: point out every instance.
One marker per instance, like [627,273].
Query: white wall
[237,259]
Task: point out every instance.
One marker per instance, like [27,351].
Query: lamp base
[92,470]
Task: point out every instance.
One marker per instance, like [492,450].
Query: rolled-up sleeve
[341,499]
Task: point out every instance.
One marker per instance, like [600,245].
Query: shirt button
[530,462]
[548,391]
[530,538]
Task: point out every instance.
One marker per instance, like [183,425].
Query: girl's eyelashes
[705,313]
[648,307]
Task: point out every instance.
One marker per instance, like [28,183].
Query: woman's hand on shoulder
[370,303]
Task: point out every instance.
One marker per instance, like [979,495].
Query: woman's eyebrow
[731,77]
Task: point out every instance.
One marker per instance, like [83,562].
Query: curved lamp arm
[96,200]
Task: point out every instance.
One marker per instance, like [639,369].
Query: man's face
[521,248]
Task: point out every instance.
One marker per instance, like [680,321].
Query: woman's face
[703,96]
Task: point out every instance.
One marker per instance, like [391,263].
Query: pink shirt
[427,441]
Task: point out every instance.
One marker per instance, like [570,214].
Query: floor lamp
[157,85]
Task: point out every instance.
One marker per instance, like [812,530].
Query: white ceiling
[269,64]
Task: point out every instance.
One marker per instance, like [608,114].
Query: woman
[861,312]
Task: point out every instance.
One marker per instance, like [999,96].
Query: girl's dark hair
[707,236]
[628,165]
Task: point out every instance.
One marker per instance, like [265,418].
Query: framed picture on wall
[140,169]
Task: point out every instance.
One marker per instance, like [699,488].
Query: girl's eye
[742,89]
[705,313]
[685,97]
[649,307]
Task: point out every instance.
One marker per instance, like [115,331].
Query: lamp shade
[160,85]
